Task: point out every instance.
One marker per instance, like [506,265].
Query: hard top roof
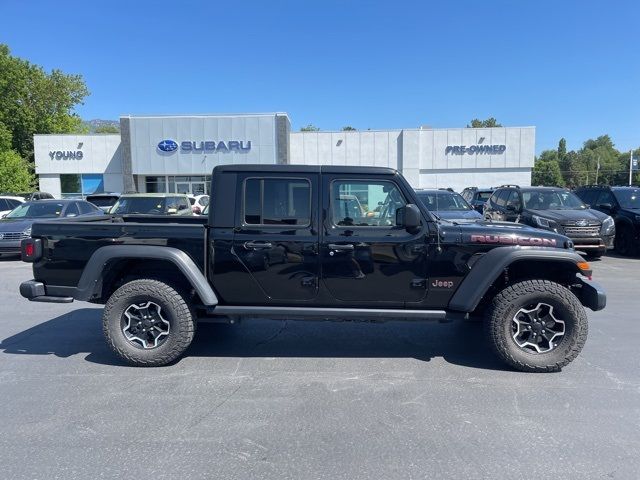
[305,169]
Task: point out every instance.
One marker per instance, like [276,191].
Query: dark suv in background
[623,204]
[556,209]
[477,197]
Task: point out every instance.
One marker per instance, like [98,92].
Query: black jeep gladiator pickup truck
[288,241]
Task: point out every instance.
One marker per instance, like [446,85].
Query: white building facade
[428,158]
[178,153]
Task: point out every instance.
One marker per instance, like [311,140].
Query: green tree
[34,101]
[310,128]
[15,173]
[488,123]
[349,129]
[107,129]
[562,149]
[546,170]
[5,138]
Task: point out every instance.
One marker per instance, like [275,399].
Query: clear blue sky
[571,68]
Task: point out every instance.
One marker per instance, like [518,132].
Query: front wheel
[148,323]
[536,326]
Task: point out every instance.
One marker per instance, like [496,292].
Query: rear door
[276,235]
[367,258]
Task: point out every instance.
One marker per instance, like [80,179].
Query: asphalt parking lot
[305,400]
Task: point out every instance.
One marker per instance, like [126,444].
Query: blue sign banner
[634,164]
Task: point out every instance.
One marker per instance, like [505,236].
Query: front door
[365,256]
[276,236]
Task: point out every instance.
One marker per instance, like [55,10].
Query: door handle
[338,246]
[257,245]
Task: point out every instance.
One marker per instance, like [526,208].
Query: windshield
[37,210]
[102,201]
[628,198]
[552,200]
[145,205]
[443,201]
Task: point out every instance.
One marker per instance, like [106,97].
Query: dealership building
[176,153]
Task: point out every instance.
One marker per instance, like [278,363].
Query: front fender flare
[489,267]
[93,271]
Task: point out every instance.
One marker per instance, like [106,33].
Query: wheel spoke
[144,325]
[536,328]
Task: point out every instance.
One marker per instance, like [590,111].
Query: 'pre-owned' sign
[169,146]
[474,149]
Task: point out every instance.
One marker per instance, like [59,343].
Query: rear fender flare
[92,275]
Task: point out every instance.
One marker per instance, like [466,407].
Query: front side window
[365,204]
[514,200]
[501,197]
[277,201]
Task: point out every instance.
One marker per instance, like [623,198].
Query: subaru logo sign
[168,146]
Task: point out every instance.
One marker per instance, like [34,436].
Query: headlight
[27,232]
[608,226]
[543,222]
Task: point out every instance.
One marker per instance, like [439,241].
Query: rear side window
[514,199]
[13,203]
[277,201]
[605,197]
[86,208]
[4,205]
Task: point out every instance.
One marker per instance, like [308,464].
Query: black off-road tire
[505,305]
[175,310]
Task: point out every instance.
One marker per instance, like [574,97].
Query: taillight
[31,249]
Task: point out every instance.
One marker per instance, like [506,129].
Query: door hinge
[419,283]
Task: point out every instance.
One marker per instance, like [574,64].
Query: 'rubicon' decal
[514,240]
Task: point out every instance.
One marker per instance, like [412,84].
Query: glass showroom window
[74,185]
[155,184]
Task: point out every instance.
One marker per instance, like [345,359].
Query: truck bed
[68,244]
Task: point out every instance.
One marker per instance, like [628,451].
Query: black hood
[568,216]
[500,234]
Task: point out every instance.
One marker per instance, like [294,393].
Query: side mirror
[606,206]
[408,216]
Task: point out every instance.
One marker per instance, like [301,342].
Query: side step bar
[379,314]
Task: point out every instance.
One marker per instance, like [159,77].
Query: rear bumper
[36,292]
[591,294]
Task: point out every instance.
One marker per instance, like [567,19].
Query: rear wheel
[536,326]
[148,323]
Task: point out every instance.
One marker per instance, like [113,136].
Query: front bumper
[590,294]
[36,291]
[10,247]
[593,244]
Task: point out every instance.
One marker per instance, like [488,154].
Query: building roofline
[196,115]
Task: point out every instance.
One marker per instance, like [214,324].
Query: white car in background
[198,202]
[8,203]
